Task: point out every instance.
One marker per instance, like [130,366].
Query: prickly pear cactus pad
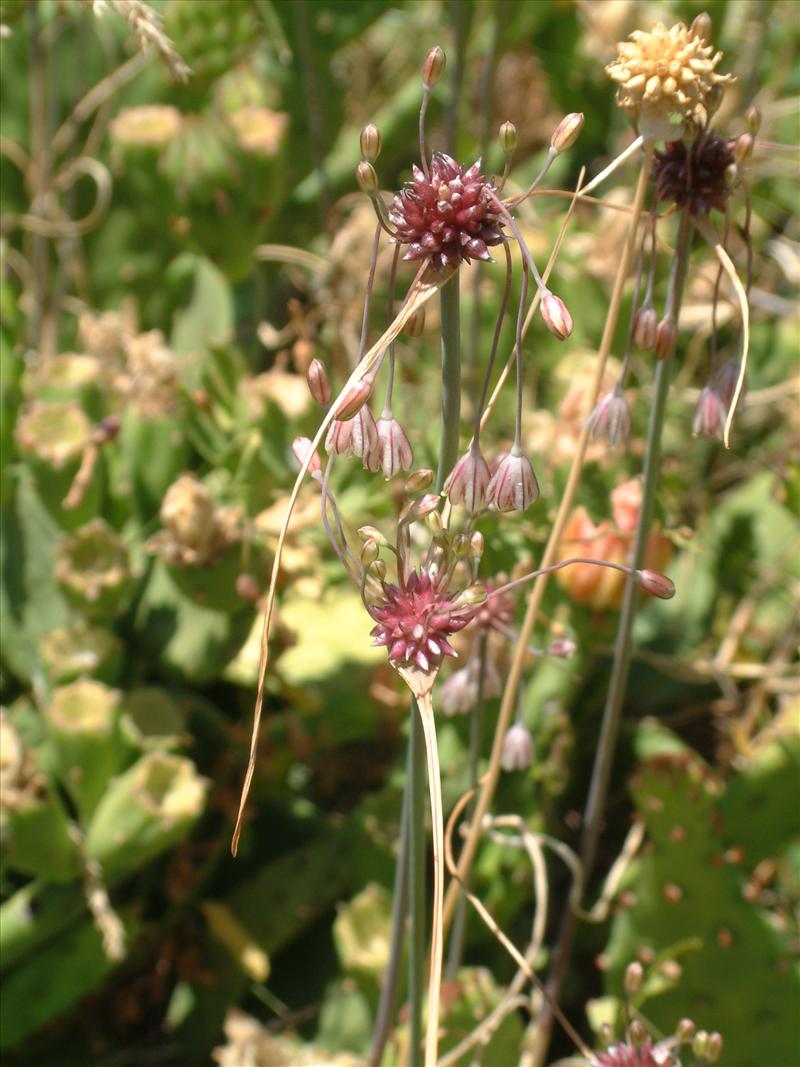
[689,897]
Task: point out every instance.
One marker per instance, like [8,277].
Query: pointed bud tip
[508,137]
[656,584]
[433,67]
[556,316]
[566,133]
[366,177]
[370,142]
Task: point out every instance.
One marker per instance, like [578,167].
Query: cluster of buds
[637,1047]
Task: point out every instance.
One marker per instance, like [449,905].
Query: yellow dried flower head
[667,77]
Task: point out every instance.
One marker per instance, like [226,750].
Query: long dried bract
[426,283]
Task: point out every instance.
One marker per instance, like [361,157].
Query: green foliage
[152,380]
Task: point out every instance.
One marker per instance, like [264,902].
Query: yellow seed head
[667,77]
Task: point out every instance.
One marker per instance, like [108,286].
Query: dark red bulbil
[448,215]
[696,177]
[415,620]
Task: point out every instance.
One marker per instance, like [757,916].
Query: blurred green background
[203,241]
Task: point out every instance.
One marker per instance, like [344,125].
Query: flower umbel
[416,618]
[667,77]
[447,214]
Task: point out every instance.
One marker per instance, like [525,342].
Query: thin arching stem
[362,341]
[423,152]
[495,342]
[523,296]
[387,406]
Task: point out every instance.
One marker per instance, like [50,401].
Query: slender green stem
[417,885]
[451,379]
[609,729]
[448,454]
[388,998]
[475,735]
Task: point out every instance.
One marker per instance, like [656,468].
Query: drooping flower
[447,214]
[468,482]
[513,486]
[394,447]
[610,419]
[517,748]
[415,620]
[667,77]
[710,413]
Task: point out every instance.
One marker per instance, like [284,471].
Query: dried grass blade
[727,265]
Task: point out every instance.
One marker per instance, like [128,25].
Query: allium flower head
[667,77]
[447,215]
[415,620]
[695,175]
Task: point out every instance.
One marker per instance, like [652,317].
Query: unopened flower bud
[419,480]
[637,1033]
[468,481]
[556,315]
[366,177]
[370,550]
[714,1047]
[666,336]
[318,383]
[476,545]
[562,647]
[416,324]
[701,26]
[433,67]
[394,446]
[633,978]
[656,584]
[752,117]
[301,447]
[248,588]
[460,546]
[508,137]
[435,524]
[353,399]
[370,143]
[377,570]
[517,749]
[513,486]
[371,533]
[743,148]
[700,1044]
[684,1031]
[645,324]
[566,133]
[419,509]
[473,595]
